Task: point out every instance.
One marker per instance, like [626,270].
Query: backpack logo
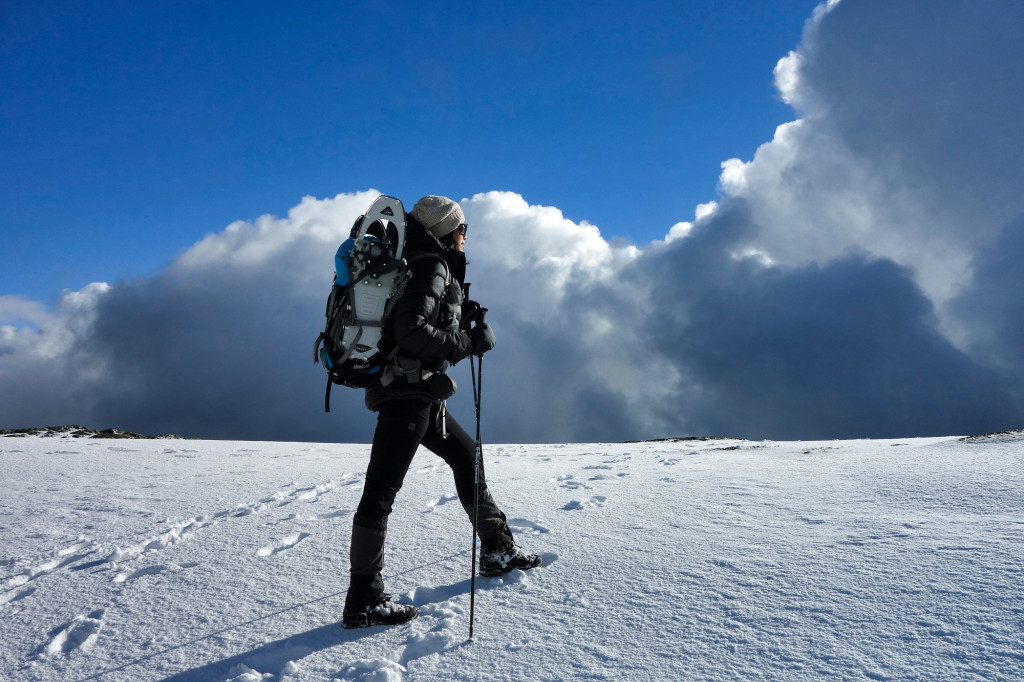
[387,211]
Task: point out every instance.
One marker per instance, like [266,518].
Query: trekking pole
[477,456]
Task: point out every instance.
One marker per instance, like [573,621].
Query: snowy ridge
[709,559]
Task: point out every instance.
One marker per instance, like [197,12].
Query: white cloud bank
[858,277]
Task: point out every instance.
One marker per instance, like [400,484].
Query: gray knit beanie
[440,215]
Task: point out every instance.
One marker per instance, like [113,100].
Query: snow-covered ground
[719,559]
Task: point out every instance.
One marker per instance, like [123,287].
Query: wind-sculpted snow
[690,559]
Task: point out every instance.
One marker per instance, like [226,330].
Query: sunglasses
[463,228]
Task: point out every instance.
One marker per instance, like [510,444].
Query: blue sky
[130,130]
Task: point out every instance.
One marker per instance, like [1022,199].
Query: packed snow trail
[714,559]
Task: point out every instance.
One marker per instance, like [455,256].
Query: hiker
[430,331]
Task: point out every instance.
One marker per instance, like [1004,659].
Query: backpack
[370,275]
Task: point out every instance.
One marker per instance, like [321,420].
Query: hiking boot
[499,556]
[382,612]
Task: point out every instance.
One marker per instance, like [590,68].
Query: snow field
[719,559]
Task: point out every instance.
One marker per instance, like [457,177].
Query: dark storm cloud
[223,356]
[992,307]
[844,350]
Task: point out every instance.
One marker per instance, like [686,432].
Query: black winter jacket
[425,321]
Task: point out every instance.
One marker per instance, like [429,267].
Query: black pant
[402,426]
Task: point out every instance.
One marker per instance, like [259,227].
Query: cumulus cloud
[858,276]
[906,142]
[38,377]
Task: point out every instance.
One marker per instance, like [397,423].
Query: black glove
[482,339]
[471,312]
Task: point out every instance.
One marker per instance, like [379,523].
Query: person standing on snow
[430,326]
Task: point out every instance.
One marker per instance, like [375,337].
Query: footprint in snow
[152,570]
[606,477]
[595,501]
[82,544]
[57,562]
[575,485]
[287,542]
[78,635]
[281,498]
[177,532]
[525,525]
[17,581]
[68,555]
[567,481]
[311,494]
[16,594]
[425,644]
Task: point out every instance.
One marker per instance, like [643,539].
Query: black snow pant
[402,426]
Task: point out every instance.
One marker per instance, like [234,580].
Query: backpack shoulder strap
[426,254]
